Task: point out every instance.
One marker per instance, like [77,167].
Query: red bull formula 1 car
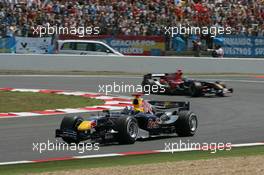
[173,83]
[128,125]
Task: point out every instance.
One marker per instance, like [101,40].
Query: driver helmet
[138,102]
[179,72]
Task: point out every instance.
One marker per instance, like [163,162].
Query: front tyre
[127,130]
[70,123]
[187,124]
[195,89]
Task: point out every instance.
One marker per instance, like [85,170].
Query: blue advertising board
[7,45]
[241,46]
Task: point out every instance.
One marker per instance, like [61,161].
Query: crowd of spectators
[131,17]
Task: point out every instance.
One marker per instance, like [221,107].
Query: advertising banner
[128,45]
[25,45]
[242,46]
[7,45]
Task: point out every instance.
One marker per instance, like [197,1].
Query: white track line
[125,154]
[135,77]
[77,76]
[15,162]
[239,81]
[140,57]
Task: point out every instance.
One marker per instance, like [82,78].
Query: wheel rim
[193,123]
[133,129]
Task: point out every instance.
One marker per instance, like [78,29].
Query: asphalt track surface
[235,119]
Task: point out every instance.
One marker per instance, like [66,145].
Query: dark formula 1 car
[166,84]
[127,126]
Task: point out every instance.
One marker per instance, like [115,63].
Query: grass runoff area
[127,160]
[31,101]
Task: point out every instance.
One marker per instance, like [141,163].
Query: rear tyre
[127,128]
[195,89]
[187,124]
[70,123]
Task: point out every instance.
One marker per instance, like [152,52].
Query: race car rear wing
[153,75]
[183,105]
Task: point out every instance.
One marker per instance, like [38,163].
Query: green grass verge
[30,101]
[127,160]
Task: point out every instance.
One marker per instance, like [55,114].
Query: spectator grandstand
[131,17]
